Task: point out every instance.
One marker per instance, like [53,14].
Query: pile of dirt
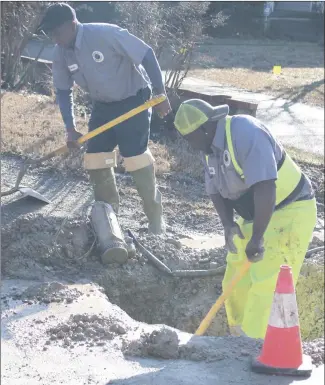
[161,343]
[315,349]
[35,243]
[164,342]
[48,292]
[179,257]
[85,329]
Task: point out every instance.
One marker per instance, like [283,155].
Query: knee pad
[134,163]
[100,160]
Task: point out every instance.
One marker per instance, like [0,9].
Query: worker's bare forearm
[225,212]
[65,101]
[264,203]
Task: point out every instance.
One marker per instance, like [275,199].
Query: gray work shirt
[257,153]
[105,61]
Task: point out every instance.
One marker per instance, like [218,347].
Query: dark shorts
[131,136]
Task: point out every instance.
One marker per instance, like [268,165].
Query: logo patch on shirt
[98,56]
[73,67]
[226,158]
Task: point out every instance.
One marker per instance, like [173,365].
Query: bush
[243,19]
[19,20]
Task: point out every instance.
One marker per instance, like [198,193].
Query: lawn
[248,64]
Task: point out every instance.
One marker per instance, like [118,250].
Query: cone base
[304,370]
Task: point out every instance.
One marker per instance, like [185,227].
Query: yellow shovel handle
[206,322]
[150,103]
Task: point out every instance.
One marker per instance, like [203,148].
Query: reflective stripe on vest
[289,174]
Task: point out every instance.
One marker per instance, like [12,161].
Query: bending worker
[119,71]
[248,172]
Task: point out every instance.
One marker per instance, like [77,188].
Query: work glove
[255,250]
[230,232]
[71,138]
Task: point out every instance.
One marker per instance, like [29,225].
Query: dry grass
[248,65]
[31,125]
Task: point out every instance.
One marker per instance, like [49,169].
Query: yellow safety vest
[289,174]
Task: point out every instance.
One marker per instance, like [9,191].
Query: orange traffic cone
[282,349]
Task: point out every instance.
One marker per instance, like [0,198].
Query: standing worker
[120,72]
[249,172]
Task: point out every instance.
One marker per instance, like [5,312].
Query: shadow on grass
[298,93]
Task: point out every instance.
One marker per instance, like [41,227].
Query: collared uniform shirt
[105,61]
[256,151]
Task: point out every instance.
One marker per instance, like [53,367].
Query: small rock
[174,242]
[60,334]
[244,353]
[118,329]
[213,265]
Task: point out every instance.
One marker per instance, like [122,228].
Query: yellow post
[276,70]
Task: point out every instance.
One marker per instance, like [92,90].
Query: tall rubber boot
[104,185]
[145,182]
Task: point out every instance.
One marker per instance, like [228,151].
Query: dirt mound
[86,329]
[162,343]
[34,244]
[166,343]
[177,256]
[315,349]
[49,292]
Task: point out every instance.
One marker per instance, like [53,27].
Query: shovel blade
[29,192]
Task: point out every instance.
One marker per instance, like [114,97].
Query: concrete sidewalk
[294,124]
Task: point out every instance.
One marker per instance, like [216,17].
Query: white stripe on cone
[284,311]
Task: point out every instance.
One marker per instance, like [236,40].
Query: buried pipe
[199,273]
[176,273]
[313,251]
[151,258]
[190,273]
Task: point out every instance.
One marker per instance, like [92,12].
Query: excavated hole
[28,252]
[181,303]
